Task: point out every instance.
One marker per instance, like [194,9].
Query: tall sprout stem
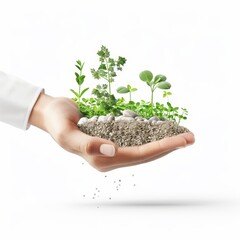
[152,90]
[108,77]
[79,87]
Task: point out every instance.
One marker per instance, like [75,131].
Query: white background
[191,194]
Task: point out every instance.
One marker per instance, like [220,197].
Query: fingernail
[107,149]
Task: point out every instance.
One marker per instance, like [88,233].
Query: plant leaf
[75,93]
[160,78]
[79,62]
[78,67]
[102,66]
[133,89]
[169,105]
[80,79]
[146,76]
[164,85]
[122,90]
[95,73]
[83,91]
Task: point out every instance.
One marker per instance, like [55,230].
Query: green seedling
[166,95]
[127,89]
[108,67]
[80,80]
[183,115]
[103,101]
[159,81]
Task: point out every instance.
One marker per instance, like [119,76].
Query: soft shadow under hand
[164,203]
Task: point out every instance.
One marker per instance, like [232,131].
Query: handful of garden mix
[125,122]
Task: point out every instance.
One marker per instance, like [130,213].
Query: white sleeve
[17,99]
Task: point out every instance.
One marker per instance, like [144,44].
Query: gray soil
[131,133]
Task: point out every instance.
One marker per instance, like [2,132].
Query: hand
[59,117]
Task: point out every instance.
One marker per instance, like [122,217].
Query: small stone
[129,113]
[102,119]
[93,119]
[154,119]
[82,120]
[110,118]
[139,118]
[118,118]
[122,118]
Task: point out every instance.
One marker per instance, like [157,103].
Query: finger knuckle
[90,147]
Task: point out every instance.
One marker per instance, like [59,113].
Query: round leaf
[146,76]
[122,90]
[160,78]
[164,85]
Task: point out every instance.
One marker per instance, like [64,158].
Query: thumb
[82,143]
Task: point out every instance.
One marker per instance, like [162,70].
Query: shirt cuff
[17,99]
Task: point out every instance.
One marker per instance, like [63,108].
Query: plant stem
[130,96]
[79,87]
[109,88]
[108,77]
[152,90]
[79,92]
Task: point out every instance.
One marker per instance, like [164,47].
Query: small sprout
[80,80]
[166,94]
[108,67]
[159,81]
[183,115]
[127,89]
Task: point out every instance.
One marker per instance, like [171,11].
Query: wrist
[37,116]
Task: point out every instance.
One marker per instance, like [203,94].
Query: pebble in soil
[129,129]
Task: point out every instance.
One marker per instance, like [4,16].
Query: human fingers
[87,146]
[154,149]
